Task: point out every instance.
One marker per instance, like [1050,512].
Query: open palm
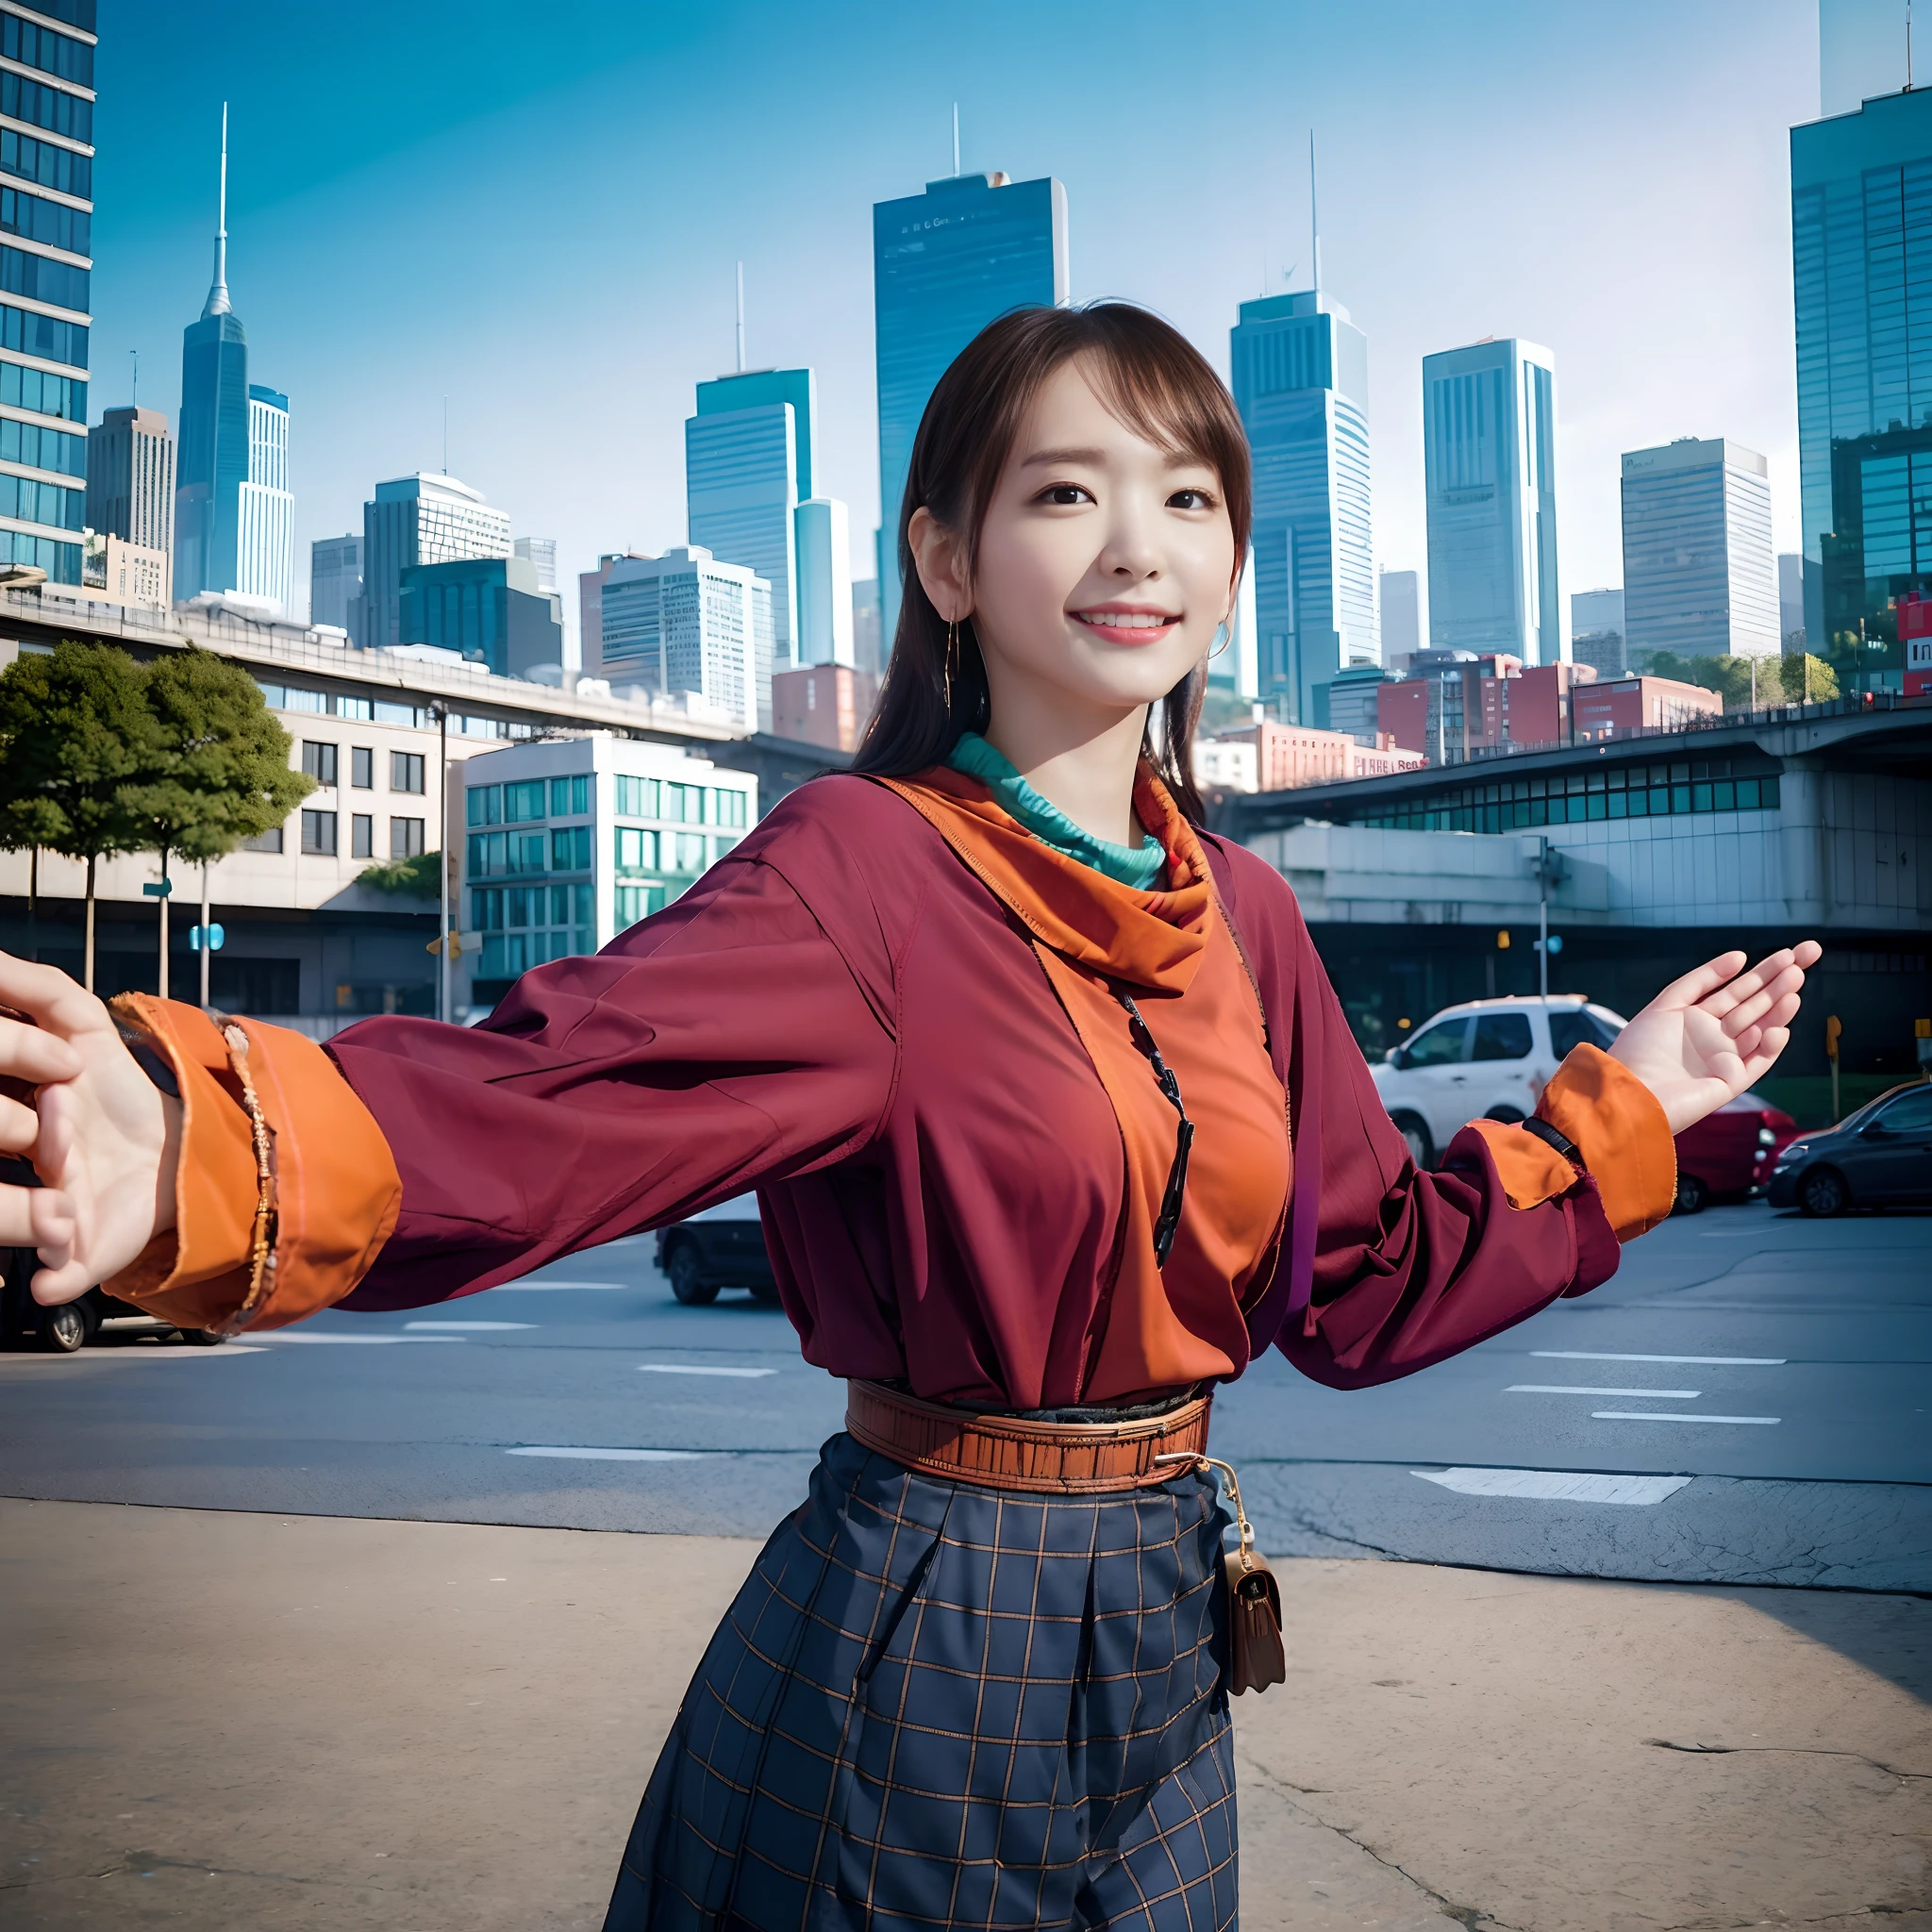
[1708,1036]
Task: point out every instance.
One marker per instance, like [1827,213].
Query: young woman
[1055,1124]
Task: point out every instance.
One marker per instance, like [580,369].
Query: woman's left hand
[1707,1037]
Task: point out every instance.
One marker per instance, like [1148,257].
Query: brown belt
[1004,1453]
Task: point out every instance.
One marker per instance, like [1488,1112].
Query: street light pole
[1542,916]
[205,949]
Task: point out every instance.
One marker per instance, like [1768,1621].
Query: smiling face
[1105,561]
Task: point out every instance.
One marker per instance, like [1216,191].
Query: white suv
[1485,1059]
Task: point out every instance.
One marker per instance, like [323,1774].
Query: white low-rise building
[569,842]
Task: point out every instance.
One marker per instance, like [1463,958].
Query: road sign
[160,890]
[460,943]
[208,935]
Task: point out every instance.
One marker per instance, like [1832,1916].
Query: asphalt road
[1746,1402]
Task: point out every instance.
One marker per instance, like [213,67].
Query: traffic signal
[1503,940]
[1833,1027]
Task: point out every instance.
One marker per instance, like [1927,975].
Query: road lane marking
[1569,1389]
[1555,1485]
[693,1369]
[1693,1361]
[615,1454]
[360,1341]
[495,1326]
[564,1287]
[1631,1415]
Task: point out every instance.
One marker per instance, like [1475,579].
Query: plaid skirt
[935,1705]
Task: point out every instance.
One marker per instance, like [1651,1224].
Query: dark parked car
[718,1247]
[73,1325]
[1729,1153]
[1880,1156]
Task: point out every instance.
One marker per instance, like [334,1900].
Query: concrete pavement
[236,1721]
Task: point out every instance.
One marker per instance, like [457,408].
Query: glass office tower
[1861,247]
[213,464]
[944,264]
[46,258]
[428,518]
[266,520]
[1699,576]
[1490,484]
[747,467]
[1301,382]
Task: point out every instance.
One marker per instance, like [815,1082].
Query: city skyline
[1430,256]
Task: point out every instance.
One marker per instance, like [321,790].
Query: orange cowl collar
[1151,940]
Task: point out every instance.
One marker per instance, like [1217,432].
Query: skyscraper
[688,623]
[428,518]
[335,580]
[944,264]
[541,554]
[1596,631]
[1699,577]
[1301,382]
[1861,251]
[213,462]
[490,610]
[43,429]
[1490,484]
[1402,617]
[747,466]
[265,524]
[825,582]
[130,486]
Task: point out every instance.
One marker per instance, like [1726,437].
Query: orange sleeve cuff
[337,1192]
[1619,1128]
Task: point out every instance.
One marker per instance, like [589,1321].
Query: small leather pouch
[1257,1656]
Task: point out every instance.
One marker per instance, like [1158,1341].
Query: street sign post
[1833,1027]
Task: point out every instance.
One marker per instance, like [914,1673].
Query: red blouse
[847,1016]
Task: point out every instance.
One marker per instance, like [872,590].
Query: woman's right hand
[102,1137]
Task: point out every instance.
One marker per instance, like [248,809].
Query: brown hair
[1159,384]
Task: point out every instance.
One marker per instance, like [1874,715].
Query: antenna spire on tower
[741,318]
[218,303]
[1315,213]
[955,141]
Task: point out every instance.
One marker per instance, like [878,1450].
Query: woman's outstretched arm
[723,1043]
[1387,1269]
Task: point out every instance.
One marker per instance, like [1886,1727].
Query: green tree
[1809,680]
[411,878]
[217,769]
[75,736]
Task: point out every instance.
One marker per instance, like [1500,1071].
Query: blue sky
[535,210]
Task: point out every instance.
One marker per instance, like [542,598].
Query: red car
[1730,1152]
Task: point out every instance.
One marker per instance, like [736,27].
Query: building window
[637,798]
[569,849]
[570,798]
[319,833]
[362,836]
[405,838]
[484,805]
[637,851]
[52,53]
[523,801]
[361,767]
[638,902]
[318,761]
[53,108]
[42,449]
[264,841]
[405,771]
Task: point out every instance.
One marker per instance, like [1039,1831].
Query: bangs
[1168,405]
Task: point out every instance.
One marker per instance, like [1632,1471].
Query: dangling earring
[1226,637]
[952,655]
